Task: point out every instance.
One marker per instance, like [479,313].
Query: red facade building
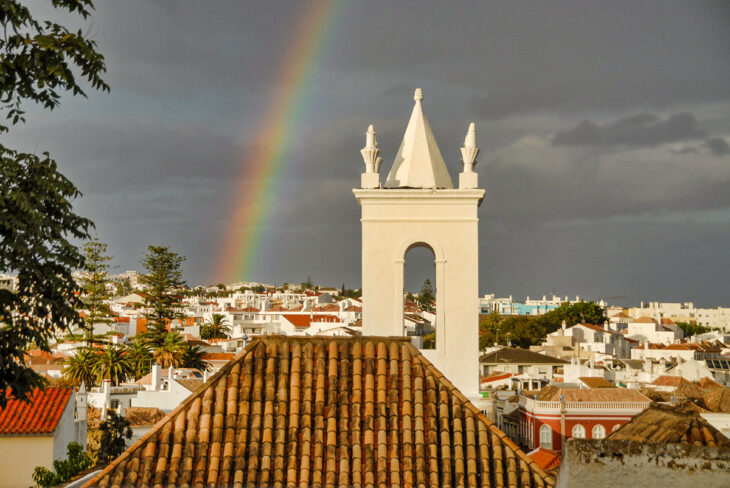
[552,415]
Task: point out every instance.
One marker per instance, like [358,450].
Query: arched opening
[598,432]
[579,432]
[546,436]
[419,295]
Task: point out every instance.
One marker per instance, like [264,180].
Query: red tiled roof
[306,320]
[665,380]
[219,356]
[545,458]
[644,320]
[325,412]
[595,382]
[553,394]
[39,416]
[497,377]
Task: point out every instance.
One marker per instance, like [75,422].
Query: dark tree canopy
[38,63]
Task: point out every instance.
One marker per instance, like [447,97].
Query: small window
[546,437]
[599,432]
[579,432]
[615,427]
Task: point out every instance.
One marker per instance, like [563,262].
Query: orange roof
[545,458]
[306,320]
[669,381]
[645,320]
[292,411]
[219,356]
[595,382]
[552,394]
[497,377]
[38,416]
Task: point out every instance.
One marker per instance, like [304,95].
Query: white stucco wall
[393,220]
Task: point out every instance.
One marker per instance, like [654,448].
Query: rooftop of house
[552,393]
[596,382]
[545,458]
[665,380]
[513,355]
[667,424]
[323,411]
[138,416]
[39,416]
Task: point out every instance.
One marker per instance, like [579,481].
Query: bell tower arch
[419,206]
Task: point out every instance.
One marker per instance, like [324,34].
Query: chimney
[156,377]
[563,325]
[106,389]
[81,403]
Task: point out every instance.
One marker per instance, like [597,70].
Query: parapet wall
[612,463]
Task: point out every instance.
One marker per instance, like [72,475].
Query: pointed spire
[470,150]
[419,163]
[371,156]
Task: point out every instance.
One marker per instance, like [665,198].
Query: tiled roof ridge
[261,399]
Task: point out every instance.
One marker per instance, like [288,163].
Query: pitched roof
[419,163]
[666,380]
[666,424]
[545,458]
[37,417]
[293,411]
[514,355]
[595,382]
[644,320]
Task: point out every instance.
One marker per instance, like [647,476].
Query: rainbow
[262,165]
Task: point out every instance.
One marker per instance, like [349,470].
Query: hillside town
[226,159]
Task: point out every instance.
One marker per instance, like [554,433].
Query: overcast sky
[604,130]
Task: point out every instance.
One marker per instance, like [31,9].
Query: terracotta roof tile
[508,355]
[39,416]
[666,424]
[596,382]
[666,380]
[552,393]
[325,412]
[545,458]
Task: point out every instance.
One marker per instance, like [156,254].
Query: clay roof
[669,381]
[304,320]
[545,458]
[323,411]
[38,416]
[592,382]
[190,383]
[218,356]
[552,394]
[518,356]
[666,424]
[644,320]
[718,400]
[708,383]
[620,315]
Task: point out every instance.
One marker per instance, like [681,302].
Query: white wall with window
[579,432]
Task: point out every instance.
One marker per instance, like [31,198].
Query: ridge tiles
[325,412]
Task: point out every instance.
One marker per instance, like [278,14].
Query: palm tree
[217,328]
[171,351]
[80,367]
[193,358]
[113,364]
[140,358]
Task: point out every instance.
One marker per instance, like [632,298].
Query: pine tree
[163,281]
[95,281]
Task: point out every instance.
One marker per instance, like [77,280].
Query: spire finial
[418,96]
[371,156]
[469,152]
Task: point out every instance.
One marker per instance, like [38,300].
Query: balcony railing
[530,404]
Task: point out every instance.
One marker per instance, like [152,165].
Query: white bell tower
[419,206]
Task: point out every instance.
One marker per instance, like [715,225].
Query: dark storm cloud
[158,158]
[637,130]
[717,146]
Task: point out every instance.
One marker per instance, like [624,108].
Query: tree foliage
[690,328]
[95,281]
[140,358]
[115,431]
[38,63]
[426,298]
[63,469]
[163,280]
[80,367]
[530,330]
[216,328]
[193,358]
[113,364]
[171,351]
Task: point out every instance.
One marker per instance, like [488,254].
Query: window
[546,437]
[579,432]
[615,427]
[599,432]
